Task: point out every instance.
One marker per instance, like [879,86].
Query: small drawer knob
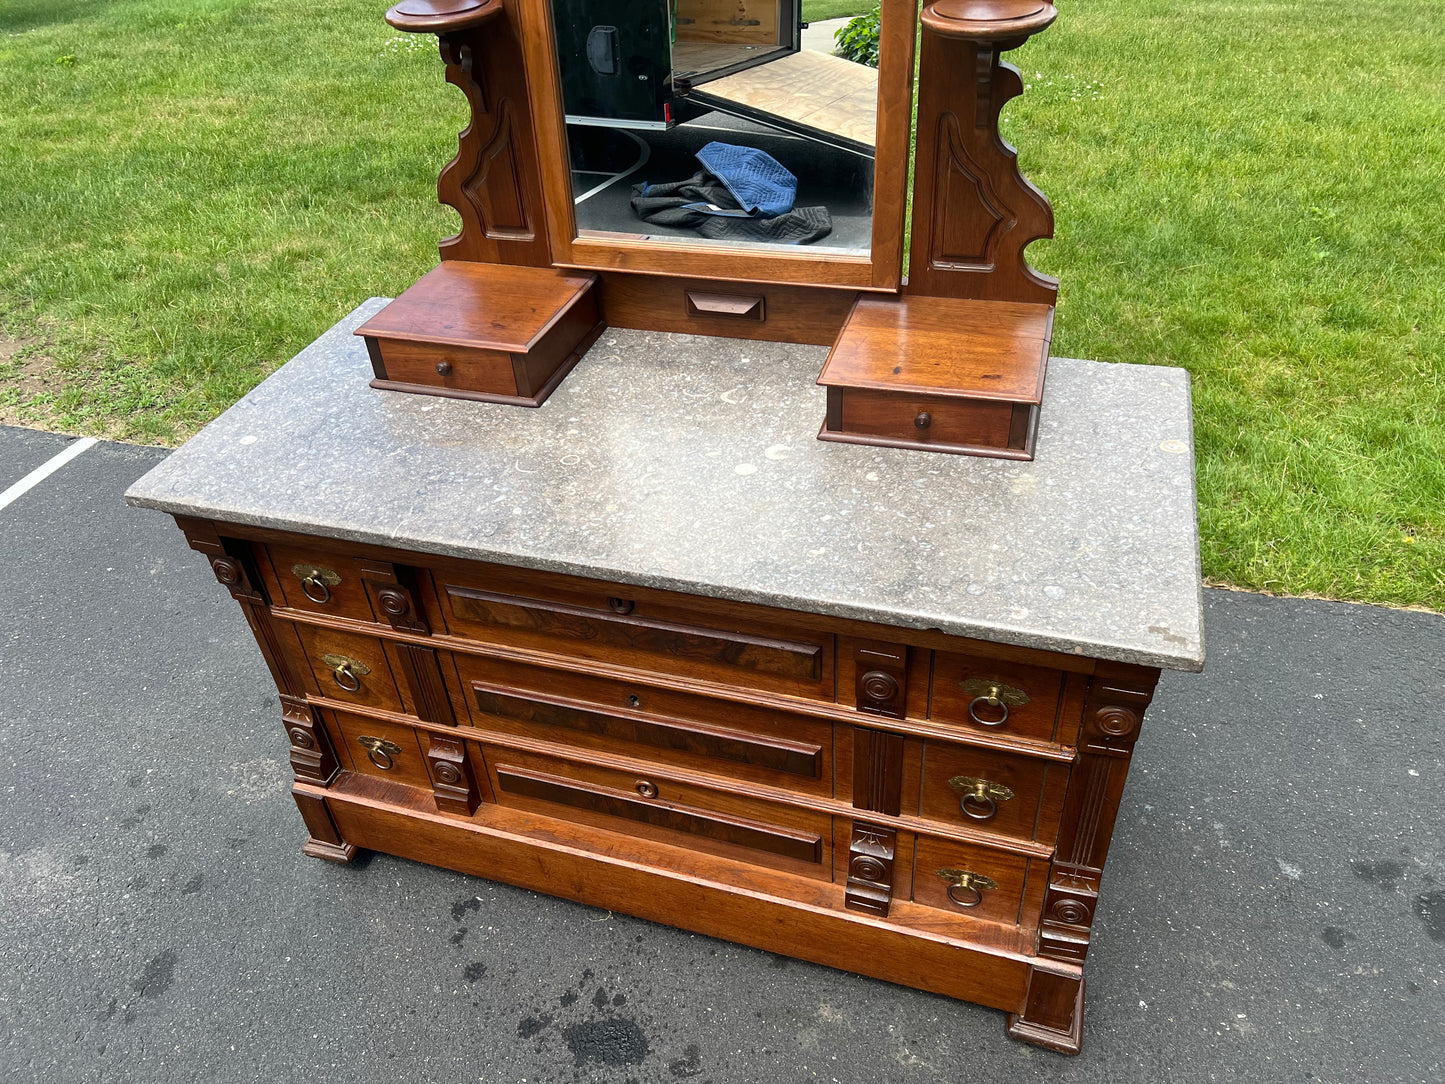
[923,421]
[444,368]
[647,788]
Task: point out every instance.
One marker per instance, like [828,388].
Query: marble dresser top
[692,463]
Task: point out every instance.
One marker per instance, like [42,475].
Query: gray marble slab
[691,463]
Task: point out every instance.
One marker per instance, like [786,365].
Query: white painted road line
[44,471]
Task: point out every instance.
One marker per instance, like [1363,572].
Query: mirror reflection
[717,121]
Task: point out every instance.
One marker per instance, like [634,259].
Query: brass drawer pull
[979,798]
[379,751]
[647,788]
[316,582]
[963,880]
[996,695]
[345,671]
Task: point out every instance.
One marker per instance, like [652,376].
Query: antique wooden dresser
[654,647]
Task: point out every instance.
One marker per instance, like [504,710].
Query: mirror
[715,122]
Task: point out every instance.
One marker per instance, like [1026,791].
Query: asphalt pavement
[1274,908]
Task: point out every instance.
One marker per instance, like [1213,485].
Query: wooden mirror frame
[880,269]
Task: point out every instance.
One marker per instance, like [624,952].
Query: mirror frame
[881,269]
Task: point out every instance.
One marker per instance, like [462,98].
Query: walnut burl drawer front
[973,882]
[321,582]
[639,632]
[1006,698]
[349,667]
[632,719]
[657,808]
[1014,796]
[385,750]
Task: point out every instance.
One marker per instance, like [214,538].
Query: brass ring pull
[979,798]
[993,701]
[315,590]
[962,881]
[647,788]
[983,807]
[379,751]
[346,672]
[316,583]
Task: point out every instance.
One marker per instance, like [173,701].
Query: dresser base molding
[825,933]
[1053,1014]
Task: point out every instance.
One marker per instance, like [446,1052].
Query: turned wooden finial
[1000,21]
[441,16]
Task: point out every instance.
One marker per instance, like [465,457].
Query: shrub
[857,40]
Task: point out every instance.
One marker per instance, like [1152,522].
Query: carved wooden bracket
[973,211]
[453,785]
[870,869]
[311,755]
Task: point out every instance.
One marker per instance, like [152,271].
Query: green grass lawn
[817,10]
[191,190]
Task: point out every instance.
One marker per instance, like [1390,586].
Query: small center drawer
[639,720]
[641,629]
[1005,698]
[1010,795]
[653,806]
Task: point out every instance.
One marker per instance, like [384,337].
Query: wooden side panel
[1113,712]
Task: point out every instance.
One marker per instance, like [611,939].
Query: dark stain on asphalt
[193,886]
[613,1041]
[531,1025]
[569,998]
[159,973]
[600,998]
[1384,873]
[155,850]
[1335,937]
[474,971]
[460,936]
[1430,909]
[690,1064]
[461,907]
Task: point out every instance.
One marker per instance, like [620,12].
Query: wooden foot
[1053,1014]
[340,853]
[325,839]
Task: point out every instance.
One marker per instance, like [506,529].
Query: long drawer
[656,807]
[642,629]
[651,722]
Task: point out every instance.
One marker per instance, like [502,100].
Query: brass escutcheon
[995,695]
[316,582]
[379,751]
[979,798]
[964,880]
[346,671]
